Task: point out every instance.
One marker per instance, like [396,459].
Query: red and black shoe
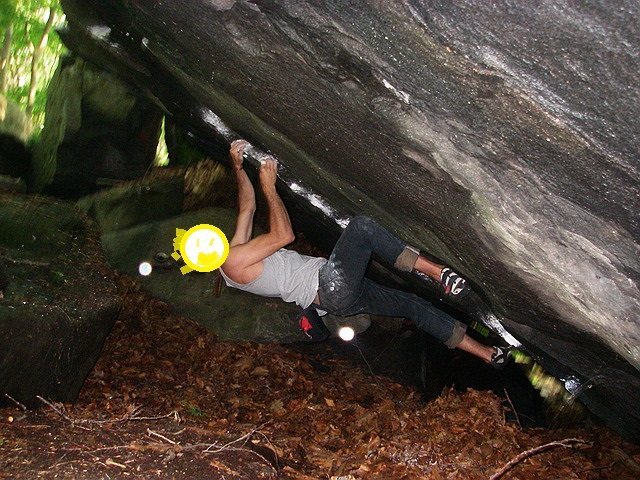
[312,325]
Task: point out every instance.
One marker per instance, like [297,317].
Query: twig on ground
[59,411]
[110,462]
[218,448]
[273,447]
[364,358]
[208,446]
[24,261]
[246,436]
[115,447]
[16,402]
[212,448]
[566,443]
[513,408]
[133,416]
[156,434]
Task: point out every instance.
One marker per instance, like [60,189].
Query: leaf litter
[167,400]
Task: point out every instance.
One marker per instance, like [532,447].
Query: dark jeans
[343,289]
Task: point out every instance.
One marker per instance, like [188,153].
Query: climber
[338,285]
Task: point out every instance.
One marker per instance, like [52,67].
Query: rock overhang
[508,153]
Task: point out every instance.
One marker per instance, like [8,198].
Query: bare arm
[280,232]
[245,260]
[279,221]
[246,196]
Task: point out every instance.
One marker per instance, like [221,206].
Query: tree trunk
[4,60]
[37,54]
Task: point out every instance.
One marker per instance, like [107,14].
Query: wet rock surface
[501,139]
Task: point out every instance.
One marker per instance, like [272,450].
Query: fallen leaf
[277,407]
[244,364]
[259,372]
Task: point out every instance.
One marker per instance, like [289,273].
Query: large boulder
[58,300]
[96,127]
[502,138]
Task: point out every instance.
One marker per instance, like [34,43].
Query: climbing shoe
[312,325]
[501,358]
[453,283]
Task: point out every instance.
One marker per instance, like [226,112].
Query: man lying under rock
[338,285]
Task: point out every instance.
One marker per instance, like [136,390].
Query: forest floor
[167,400]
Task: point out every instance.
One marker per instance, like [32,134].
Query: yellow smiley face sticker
[203,248]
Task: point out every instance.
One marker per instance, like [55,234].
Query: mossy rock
[37,229]
[59,300]
[134,203]
[80,96]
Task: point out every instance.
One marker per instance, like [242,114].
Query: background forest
[29,53]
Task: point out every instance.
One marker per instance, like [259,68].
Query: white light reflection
[145,269]
[346,333]
[318,202]
[101,32]
[493,323]
[216,122]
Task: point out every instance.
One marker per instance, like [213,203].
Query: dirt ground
[166,400]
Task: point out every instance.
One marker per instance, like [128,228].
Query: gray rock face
[502,138]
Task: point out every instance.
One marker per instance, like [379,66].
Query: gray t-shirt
[287,275]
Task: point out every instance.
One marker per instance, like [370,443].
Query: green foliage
[28,19]
[7,12]
[194,411]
